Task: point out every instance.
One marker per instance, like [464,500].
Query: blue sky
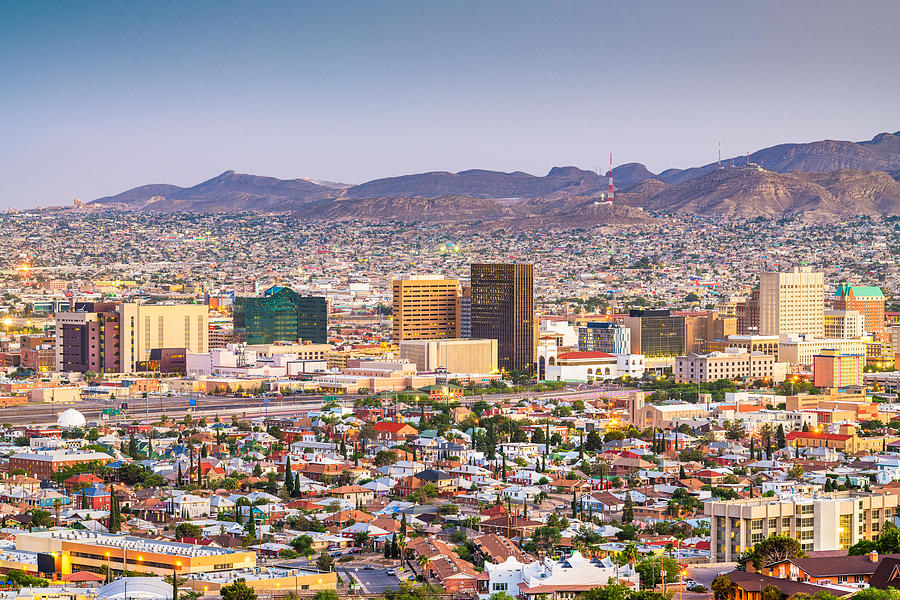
[100,97]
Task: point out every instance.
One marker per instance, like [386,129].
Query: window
[499,587]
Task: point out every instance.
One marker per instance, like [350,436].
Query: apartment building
[792,303]
[767,344]
[733,363]
[44,464]
[833,521]
[426,307]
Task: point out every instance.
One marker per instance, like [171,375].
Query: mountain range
[825,178]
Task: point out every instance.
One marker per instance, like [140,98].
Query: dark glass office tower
[503,309]
[282,315]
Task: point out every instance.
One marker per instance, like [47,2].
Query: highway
[176,407]
[151,408]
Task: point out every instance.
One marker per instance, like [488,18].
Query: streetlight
[108,578]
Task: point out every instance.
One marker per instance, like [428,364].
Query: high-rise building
[868,300]
[281,315]
[116,336]
[426,307]
[604,336]
[792,303]
[465,313]
[656,333]
[503,309]
[832,369]
[747,314]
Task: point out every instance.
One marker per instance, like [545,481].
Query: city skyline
[104,97]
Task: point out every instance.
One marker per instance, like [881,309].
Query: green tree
[651,570]
[773,549]
[188,530]
[239,590]
[324,561]
[722,588]
[628,510]
[302,544]
[325,595]
[41,518]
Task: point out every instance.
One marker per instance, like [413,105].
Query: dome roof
[71,418]
[145,588]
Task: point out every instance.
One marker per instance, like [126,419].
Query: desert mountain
[829,177]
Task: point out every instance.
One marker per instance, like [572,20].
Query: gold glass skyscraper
[503,309]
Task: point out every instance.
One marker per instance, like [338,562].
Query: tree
[681,473]
[795,472]
[188,530]
[41,518]
[651,570]
[302,545]
[722,587]
[889,540]
[780,439]
[628,509]
[288,477]
[543,540]
[239,590]
[324,561]
[770,592]
[115,517]
[325,595]
[773,549]
[500,596]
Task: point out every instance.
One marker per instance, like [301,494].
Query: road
[151,408]
[140,409]
[374,581]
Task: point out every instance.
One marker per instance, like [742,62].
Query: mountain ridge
[781,179]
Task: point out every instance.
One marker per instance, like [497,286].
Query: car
[391,572]
[369,568]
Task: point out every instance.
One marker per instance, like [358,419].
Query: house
[509,526]
[496,549]
[749,586]
[600,502]
[444,482]
[354,493]
[393,431]
[827,570]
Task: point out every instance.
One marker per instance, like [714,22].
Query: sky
[100,97]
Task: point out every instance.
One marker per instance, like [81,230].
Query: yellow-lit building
[425,308]
[83,550]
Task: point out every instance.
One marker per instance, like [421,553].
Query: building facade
[456,356]
[844,324]
[733,363]
[608,337]
[426,307]
[503,309]
[832,369]
[656,333]
[281,315]
[792,303]
[868,300]
[833,521]
[116,336]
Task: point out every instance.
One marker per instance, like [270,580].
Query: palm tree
[423,562]
[630,554]
[57,504]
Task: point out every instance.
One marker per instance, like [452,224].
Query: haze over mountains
[826,178]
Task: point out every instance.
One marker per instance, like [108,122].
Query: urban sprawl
[255,406]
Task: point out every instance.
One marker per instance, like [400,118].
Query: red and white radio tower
[611,196]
